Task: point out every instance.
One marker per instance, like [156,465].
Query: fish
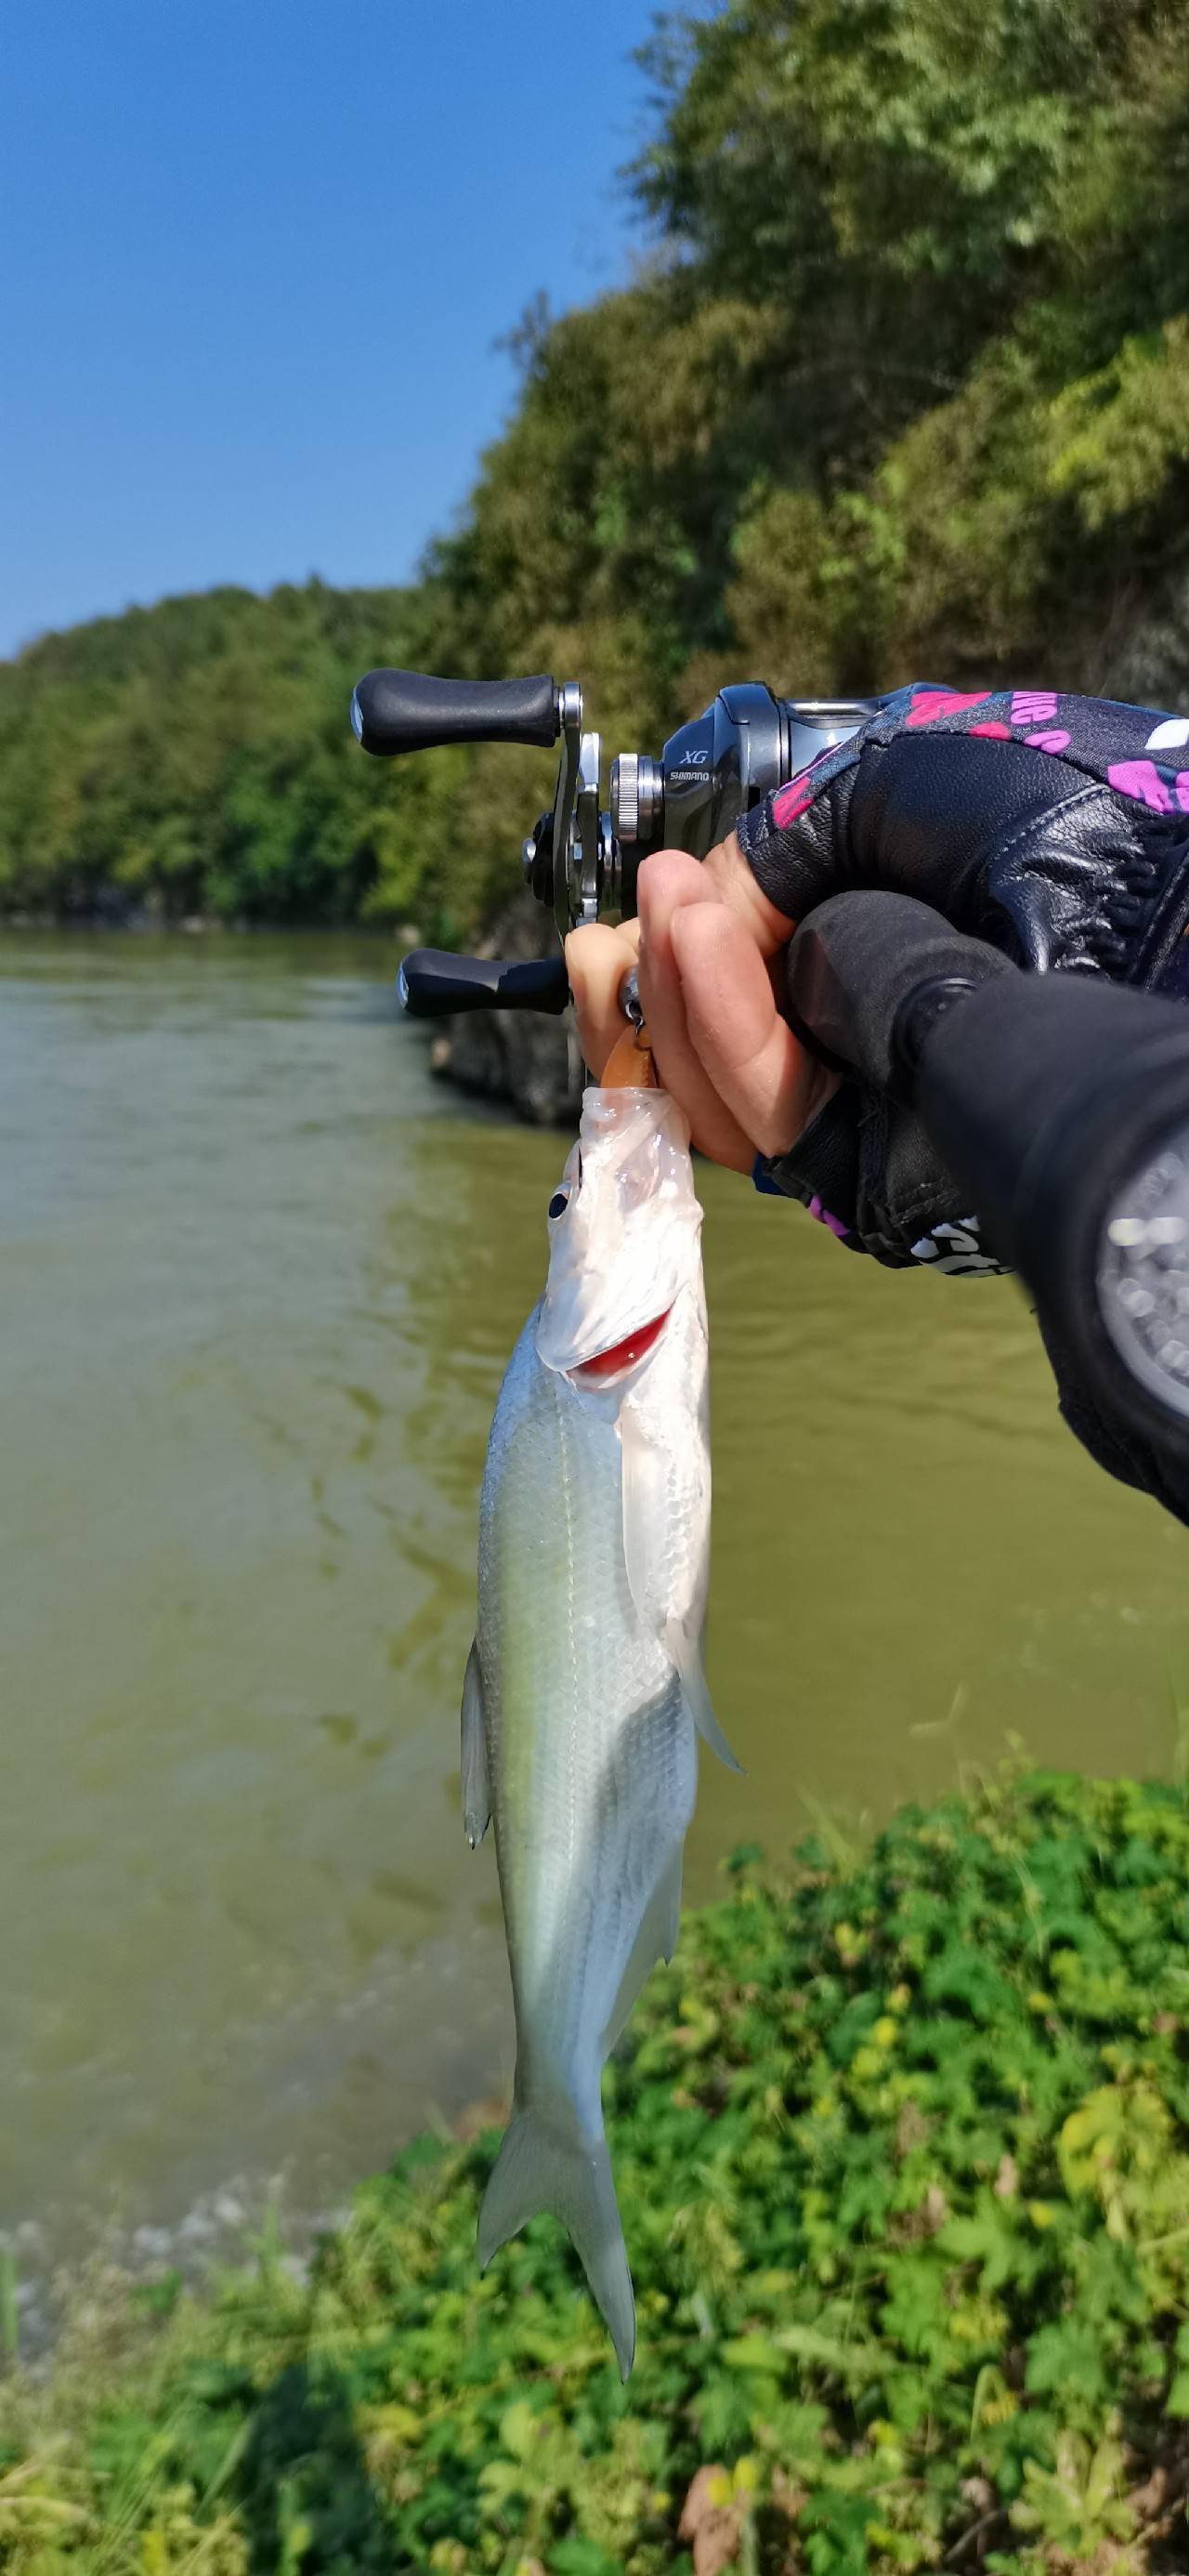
[585,1688]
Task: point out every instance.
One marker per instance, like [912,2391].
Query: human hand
[705,942]
[1054,826]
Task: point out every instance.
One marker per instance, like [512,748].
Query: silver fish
[585,1685]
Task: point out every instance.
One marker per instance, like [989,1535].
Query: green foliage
[902,2147]
[901,389]
[968,231]
[199,753]
[1122,431]
[196,757]
[891,172]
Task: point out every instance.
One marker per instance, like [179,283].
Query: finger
[597,959]
[758,1069]
[670,883]
[733,881]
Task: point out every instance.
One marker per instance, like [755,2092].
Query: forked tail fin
[541,2167]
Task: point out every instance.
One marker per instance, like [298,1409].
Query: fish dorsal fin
[476,1784]
[646,1509]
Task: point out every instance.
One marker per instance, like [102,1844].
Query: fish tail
[545,2164]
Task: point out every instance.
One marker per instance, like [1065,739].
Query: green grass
[902,2144]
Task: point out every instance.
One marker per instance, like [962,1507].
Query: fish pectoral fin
[646,1506]
[687,1656]
[542,2165]
[645,1514]
[656,1939]
[476,1784]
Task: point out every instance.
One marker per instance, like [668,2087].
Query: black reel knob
[433,984]
[398,711]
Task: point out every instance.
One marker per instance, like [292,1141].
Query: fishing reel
[581,857]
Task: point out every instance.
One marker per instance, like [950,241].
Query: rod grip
[395,711]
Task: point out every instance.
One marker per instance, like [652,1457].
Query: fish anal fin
[476,1785]
[545,2164]
[656,1939]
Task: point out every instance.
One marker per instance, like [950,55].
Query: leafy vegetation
[902,2146]
[903,387]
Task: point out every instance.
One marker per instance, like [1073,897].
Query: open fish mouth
[605,1366]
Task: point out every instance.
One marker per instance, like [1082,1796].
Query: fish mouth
[620,1356]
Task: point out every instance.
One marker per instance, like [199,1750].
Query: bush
[902,2146]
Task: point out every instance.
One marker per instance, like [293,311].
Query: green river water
[259,1276]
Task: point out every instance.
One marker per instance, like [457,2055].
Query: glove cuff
[865,1168]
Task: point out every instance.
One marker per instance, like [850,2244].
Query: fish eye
[571,1180]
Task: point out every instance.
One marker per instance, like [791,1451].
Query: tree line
[901,389]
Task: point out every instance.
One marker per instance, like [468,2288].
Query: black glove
[1055,827]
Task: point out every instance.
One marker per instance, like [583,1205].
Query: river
[259,1275]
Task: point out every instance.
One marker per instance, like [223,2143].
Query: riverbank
[902,2146]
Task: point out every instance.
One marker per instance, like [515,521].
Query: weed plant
[902,2147]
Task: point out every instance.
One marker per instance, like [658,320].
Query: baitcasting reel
[581,858]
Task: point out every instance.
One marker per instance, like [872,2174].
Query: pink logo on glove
[824,1217]
[929,704]
[1142,780]
[791,801]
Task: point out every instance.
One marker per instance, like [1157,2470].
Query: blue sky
[256,255]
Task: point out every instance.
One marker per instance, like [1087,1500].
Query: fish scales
[590,1743]
[584,1685]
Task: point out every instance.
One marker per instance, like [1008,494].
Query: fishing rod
[1060,1103]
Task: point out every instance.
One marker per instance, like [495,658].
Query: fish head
[624,1236]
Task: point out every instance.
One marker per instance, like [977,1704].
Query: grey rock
[524,1057]
[152,2244]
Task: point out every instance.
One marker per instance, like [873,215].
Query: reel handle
[433,984]
[396,711]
